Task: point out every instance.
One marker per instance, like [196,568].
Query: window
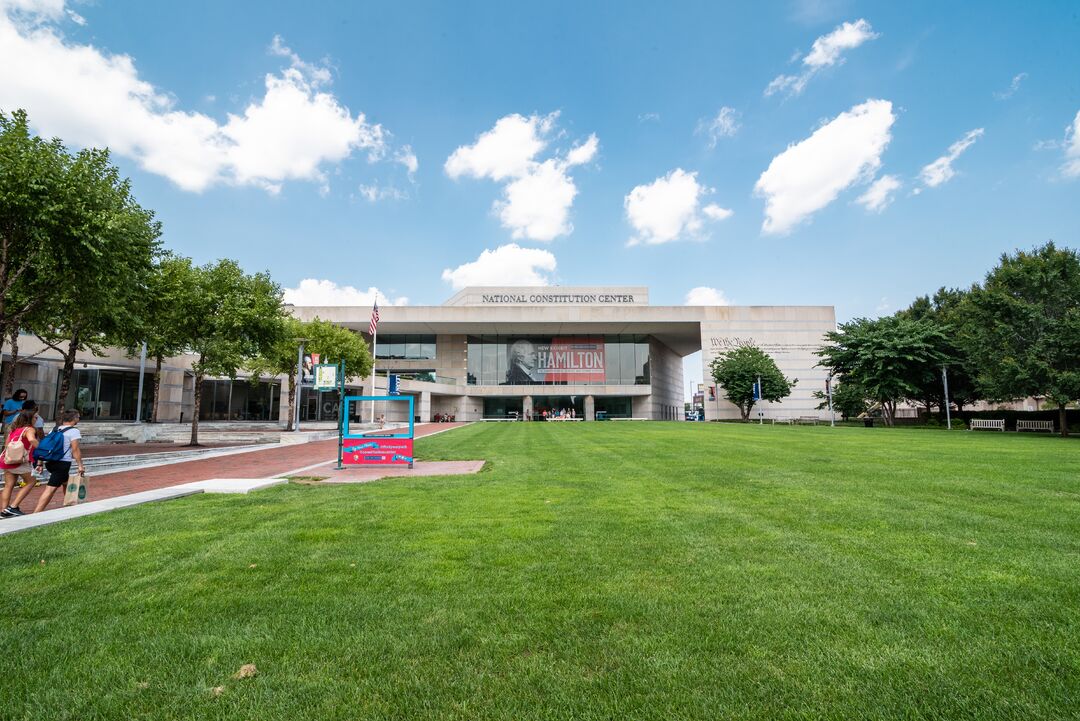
[555,361]
[405,347]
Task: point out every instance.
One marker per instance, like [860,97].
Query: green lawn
[591,571]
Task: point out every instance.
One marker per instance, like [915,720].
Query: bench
[785,421]
[986,424]
[1034,426]
[808,420]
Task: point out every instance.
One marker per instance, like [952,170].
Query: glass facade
[406,347]
[108,395]
[503,408]
[239,401]
[559,360]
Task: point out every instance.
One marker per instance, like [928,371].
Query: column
[590,408]
[423,408]
[527,407]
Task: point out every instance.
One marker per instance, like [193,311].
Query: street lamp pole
[945,383]
[142,373]
[832,415]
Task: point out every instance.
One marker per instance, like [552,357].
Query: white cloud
[374,193]
[1071,168]
[703,295]
[879,195]
[537,194]
[506,265]
[811,174]
[312,291]
[941,170]
[91,97]
[828,50]
[669,209]
[724,125]
[1013,87]
[407,157]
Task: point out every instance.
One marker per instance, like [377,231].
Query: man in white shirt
[59,471]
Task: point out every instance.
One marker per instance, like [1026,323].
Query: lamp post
[828,388]
[299,384]
[945,383]
[142,373]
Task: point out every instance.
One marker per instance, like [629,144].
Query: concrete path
[260,463]
[330,474]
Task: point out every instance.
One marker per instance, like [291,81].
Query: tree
[890,358]
[848,399]
[162,315]
[32,173]
[947,311]
[332,342]
[1025,328]
[100,279]
[231,318]
[739,369]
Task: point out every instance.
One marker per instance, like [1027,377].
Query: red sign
[377,451]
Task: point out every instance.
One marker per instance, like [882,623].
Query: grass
[591,571]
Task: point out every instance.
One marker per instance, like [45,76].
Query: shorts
[21,470]
[59,471]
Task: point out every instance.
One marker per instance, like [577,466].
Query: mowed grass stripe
[604,570]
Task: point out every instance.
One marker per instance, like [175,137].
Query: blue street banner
[393,389]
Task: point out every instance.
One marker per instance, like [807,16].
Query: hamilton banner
[563,360]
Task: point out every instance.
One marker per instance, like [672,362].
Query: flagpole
[374,347]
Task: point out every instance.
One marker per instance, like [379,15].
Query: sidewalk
[264,463]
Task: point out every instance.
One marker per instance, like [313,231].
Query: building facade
[501,353]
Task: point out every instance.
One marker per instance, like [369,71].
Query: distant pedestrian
[17,461]
[12,406]
[60,471]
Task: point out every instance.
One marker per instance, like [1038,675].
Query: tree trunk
[1063,419]
[292,400]
[195,414]
[157,389]
[746,412]
[888,412]
[9,375]
[65,376]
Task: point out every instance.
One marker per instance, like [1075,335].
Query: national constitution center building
[509,352]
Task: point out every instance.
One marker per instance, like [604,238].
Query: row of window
[559,360]
[405,347]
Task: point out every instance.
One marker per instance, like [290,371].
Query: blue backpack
[51,447]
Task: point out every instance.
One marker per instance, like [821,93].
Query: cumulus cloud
[312,291]
[537,194]
[1013,87]
[828,50]
[1071,168]
[669,208]
[880,194]
[941,170]
[506,265]
[91,97]
[811,174]
[724,125]
[703,295]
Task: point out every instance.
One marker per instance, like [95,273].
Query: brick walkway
[256,464]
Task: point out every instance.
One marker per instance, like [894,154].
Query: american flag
[374,318]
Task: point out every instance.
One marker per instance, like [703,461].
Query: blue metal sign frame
[399,399]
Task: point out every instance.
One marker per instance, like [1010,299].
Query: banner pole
[343,408]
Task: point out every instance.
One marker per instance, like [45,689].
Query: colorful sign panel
[563,360]
[377,451]
[326,377]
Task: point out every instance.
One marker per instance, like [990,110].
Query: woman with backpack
[17,461]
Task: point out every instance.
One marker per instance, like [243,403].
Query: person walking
[60,471]
[18,464]
[12,406]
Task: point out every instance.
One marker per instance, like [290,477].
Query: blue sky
[315,140]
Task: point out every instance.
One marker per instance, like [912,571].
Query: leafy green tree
[32,232]
[848,399]
[231,318]
[948,311]
[1025,328]
[102,276]
[738,370]
[332,342]
[890,358]
[161,314]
